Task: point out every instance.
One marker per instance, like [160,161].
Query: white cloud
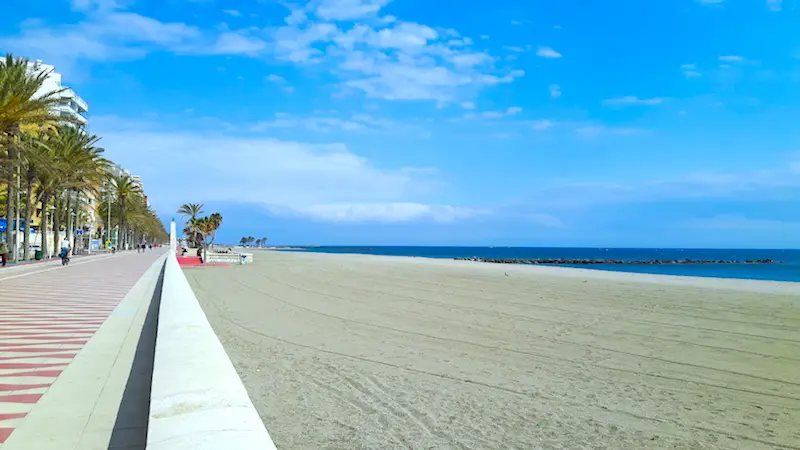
[710,2]
[541,125]
[280,81]
[348,9]
[731,58]
[593,131]
[468,105]
[326,122]
[388,212]
[233,43]
[739,185]
[325,181]
[277,79]
[494,114]
[555,91]
[632,100]
[232,12]
[381,57]
[395,61]
[775,5]
[99,5]
[690,70]
[547,52]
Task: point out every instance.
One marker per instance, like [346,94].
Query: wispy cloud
[593,131]
[514,110]
[711,2]
[775,5]
[742,222]
[390,60]
[547,52]
[731,58]
[690,70]
[280,81]
[555,91]
[232,12]
[630,100]
[541,125]
[380,56]
[321,181]
[330,121]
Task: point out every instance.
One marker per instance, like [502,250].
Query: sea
[788,270]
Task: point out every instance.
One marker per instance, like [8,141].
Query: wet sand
[370,352]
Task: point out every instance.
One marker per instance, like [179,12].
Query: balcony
[79,103]
[70,114]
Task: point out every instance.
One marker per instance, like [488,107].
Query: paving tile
[45,336]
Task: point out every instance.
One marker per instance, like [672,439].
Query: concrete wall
[198,401]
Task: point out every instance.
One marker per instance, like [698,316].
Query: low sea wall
[227,258]
[198,401]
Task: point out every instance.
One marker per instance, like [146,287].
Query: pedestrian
[4,252]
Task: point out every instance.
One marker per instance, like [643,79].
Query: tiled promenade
[68,337]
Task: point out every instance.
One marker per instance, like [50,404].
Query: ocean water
[788,271]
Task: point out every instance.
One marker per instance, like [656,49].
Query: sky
[669,123]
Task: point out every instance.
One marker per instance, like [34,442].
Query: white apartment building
[71,106]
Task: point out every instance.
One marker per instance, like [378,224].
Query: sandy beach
[370,352]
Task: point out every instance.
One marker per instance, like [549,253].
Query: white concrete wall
[198,401]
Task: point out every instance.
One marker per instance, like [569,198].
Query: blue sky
[626,123]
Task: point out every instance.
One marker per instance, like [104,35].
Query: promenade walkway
[72,375]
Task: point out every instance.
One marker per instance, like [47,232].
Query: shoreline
[744,284]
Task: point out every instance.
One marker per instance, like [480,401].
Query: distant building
[71,106]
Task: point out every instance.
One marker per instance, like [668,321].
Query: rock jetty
[578,262]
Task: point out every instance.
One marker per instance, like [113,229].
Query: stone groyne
[580,262]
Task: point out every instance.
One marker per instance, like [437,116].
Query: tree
[193,210]
[21,109]
[124,188]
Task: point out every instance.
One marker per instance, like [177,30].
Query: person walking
[4,252]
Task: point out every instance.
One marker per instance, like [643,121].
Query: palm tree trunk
[120,233]
[56,223]
[68,218]
[28,201]
[43,225]
[11,197]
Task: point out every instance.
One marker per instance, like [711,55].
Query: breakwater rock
[579,262]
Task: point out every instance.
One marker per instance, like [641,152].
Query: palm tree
[193,210]
[21,109]
[125,188]
[215,221]
[264,241]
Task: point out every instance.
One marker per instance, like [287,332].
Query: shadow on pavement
[130,428]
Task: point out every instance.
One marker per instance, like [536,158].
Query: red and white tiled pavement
[47,314]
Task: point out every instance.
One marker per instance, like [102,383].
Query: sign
[79,232]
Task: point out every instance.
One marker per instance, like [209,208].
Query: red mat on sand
[195,261]
[189,261]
